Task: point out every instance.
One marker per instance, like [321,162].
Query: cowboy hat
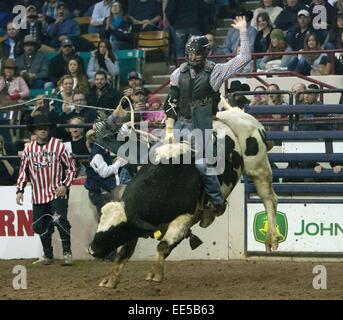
[10,63]
[30,40]
[39,121]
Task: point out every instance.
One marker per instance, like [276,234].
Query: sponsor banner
[309,228]
[17,239]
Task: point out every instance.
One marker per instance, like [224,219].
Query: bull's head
[112,232]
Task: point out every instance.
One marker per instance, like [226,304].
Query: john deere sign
[261,226]
[302,227]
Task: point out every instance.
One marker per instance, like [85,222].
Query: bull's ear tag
[158,235]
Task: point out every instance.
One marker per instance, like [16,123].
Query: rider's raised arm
[223,71]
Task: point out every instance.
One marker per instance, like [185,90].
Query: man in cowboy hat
[48,166]
[33,65]
[238,100]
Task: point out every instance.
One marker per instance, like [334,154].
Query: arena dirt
[184,280]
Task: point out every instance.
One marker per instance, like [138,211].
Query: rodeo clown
[193,100]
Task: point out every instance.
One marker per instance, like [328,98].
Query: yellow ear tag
[157,235]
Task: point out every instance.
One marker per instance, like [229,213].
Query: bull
[166,197]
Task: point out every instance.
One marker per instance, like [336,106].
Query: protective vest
[196,92]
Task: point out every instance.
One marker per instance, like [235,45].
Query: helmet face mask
[199,47]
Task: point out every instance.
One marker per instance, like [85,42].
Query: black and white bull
[167,196]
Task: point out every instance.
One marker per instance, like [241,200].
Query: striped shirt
[47,167]
[222,71]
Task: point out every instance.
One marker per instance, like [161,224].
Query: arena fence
[309,218]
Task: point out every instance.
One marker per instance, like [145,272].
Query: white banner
[310,228]
[17,239]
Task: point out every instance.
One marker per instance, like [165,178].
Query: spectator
[183,16]
[103,59]
[65,84]
[207,16]
[296,89]
[77,145]
[296,35]
[33,65]
[49,10]
[330,11]
[138,101]
[79,100]
[145,15]
[58,66]
[118,29]
[238,100]
[13,89]
[277,44]
[36,27]
[333,36]
[11,84]
[155,114]
[262,39]
[214,50]
[102,94]
[232,39]
[11,47]
[74,69]
[312,98]
[62,108]
[275,100]
[8,168]
[81,8]
[288,16]
[66,27]
[134,80]
[100,13]
[259,99]
[339,55]
[307,62]
[269,6]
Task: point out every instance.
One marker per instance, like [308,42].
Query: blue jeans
[181,38]
[299,65]
[210,182]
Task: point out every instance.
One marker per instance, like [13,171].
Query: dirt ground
[221,280]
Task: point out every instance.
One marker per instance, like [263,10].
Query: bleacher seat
[92,37]
[52,54]
[85,56]
[83,22]
[155,44]
[36,92]
[130,60]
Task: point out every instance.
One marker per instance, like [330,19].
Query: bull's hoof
[109,282]
[207,218]
[154,275]
[272,243]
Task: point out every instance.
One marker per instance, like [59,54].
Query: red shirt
[47,167]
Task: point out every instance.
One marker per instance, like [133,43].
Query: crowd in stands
[48,55]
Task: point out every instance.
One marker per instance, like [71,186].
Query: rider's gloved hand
[125,130]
